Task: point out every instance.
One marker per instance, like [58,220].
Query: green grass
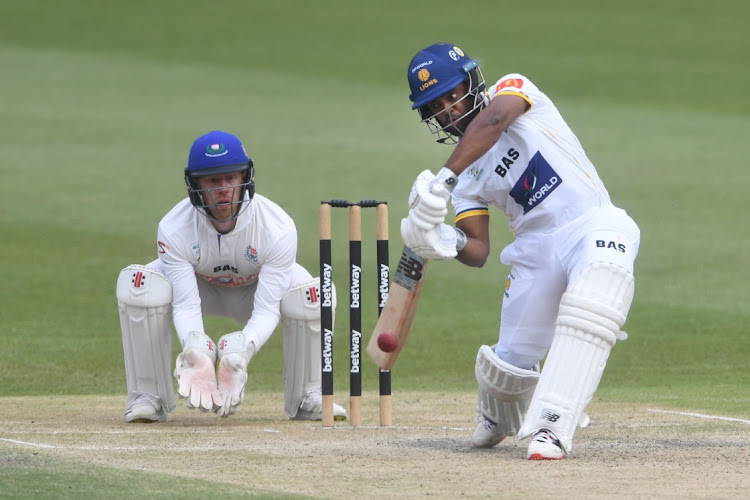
[25,474]
[101,105]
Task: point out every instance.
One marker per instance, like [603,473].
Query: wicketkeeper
[571,278]
[222,251]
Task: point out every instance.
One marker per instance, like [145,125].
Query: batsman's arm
[485,130]
[477,249]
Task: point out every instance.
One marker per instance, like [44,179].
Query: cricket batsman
[571,279]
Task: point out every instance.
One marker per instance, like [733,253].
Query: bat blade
[400,307]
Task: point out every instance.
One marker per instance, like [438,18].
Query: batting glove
[428,201]
[436,243]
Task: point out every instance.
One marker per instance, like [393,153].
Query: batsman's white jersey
[242,274]
[536,156]
[539,175]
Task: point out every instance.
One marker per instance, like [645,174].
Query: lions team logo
[251,254]
[214,150]
[423,75]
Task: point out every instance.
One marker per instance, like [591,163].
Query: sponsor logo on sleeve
[514,83]
[535,184]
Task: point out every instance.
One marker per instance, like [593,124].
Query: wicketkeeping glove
[234,356]
[195,372]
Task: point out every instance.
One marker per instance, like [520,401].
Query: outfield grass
[100,107]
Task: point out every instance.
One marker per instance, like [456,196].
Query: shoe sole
[488,445]
[142,421]
[316,416]
[539,456]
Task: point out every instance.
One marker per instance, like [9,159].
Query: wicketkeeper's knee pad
[300,317]
[145,300]
[588,324]
[504,390]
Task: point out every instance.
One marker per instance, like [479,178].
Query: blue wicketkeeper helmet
[215,153]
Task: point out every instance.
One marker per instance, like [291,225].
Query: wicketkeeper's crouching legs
[591,313]
[300,316]
[145,299]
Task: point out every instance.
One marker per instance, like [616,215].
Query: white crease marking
[25,443]
[700,415]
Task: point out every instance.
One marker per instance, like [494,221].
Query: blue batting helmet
[435,71]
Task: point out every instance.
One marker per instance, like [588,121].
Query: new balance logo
[550,416]
[411,268]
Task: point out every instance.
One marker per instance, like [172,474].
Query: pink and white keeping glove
[234,355]
[195,372]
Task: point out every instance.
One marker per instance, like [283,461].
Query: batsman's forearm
[485,130]
[475,143]
[474,254]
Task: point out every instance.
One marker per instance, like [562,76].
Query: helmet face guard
[436,71]
[452,130]
[204,200]
[217,153]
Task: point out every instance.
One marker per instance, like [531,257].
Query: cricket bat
[399,309]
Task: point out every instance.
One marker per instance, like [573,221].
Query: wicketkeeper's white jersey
[260,252]
[537,172]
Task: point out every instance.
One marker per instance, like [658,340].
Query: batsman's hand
[428,201]
[436,243]
[195,372]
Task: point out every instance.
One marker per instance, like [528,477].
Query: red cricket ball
[387,341]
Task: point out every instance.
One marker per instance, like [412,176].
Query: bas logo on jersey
[610,244]
[535,184]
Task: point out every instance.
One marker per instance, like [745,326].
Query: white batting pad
[588,324]
[145,299]
[300,317]
[504,390]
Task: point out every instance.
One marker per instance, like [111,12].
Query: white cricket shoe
[144,409]
[487,434]
[545,446]
[311,408]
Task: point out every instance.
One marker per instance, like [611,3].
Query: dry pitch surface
[628,451]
